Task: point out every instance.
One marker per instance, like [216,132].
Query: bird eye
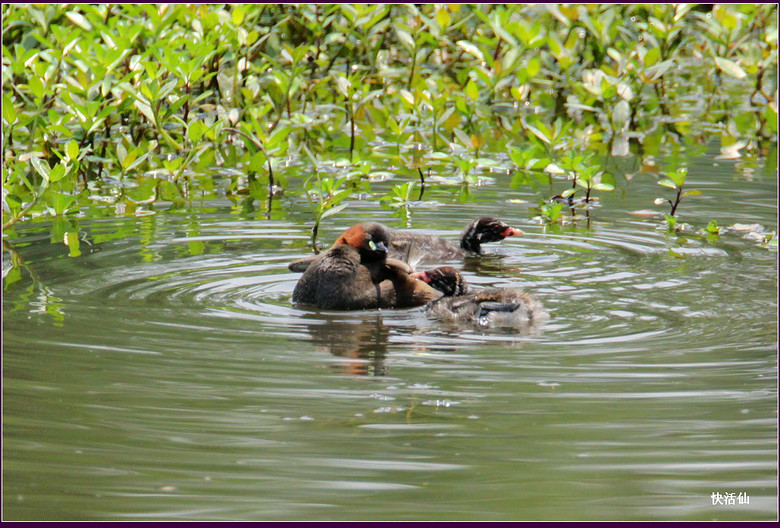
[372,245]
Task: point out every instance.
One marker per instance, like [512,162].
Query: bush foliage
[132,105]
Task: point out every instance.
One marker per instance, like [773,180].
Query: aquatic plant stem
[27,207]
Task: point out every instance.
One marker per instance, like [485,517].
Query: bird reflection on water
[362,343]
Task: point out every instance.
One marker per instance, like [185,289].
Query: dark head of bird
[446,279]
[483,230]
[371,240]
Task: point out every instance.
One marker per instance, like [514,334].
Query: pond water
[164,374]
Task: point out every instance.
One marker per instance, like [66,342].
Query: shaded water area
[164,374]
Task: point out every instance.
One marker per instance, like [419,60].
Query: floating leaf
[644,212]
[747,227]
[712,227]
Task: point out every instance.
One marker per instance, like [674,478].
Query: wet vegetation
[119,109]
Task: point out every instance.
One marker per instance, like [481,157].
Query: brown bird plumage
[404,245]
[355,274]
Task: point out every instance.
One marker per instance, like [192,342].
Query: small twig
[677,201]
[27,207]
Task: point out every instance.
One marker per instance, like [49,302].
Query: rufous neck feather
[353,236]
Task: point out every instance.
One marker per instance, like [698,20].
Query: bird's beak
[377,246]
[512,231]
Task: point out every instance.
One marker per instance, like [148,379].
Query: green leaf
[443,18]
[36,87]
[472,91]
[652,56]
[12,275]
[174,107]
[79,20]
[408,97]
[405,38]
[537,163]
[568,192]
[678,176]
[237,15]
[392,125]
[333,210]
[604,187]
[72,150]
[471,49]
[195,130]
[657,70]
[533,66]
[146,110]
[133,164]
[60,202]
[343,84]
[666,182]
[730,68]
[712,227]
[9,110]
[257,162]
[621,113]
[72,241]
[463,137]
[121,154]
[57,173]
[41,166]
[278,136]
[538,133]
[693,192]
